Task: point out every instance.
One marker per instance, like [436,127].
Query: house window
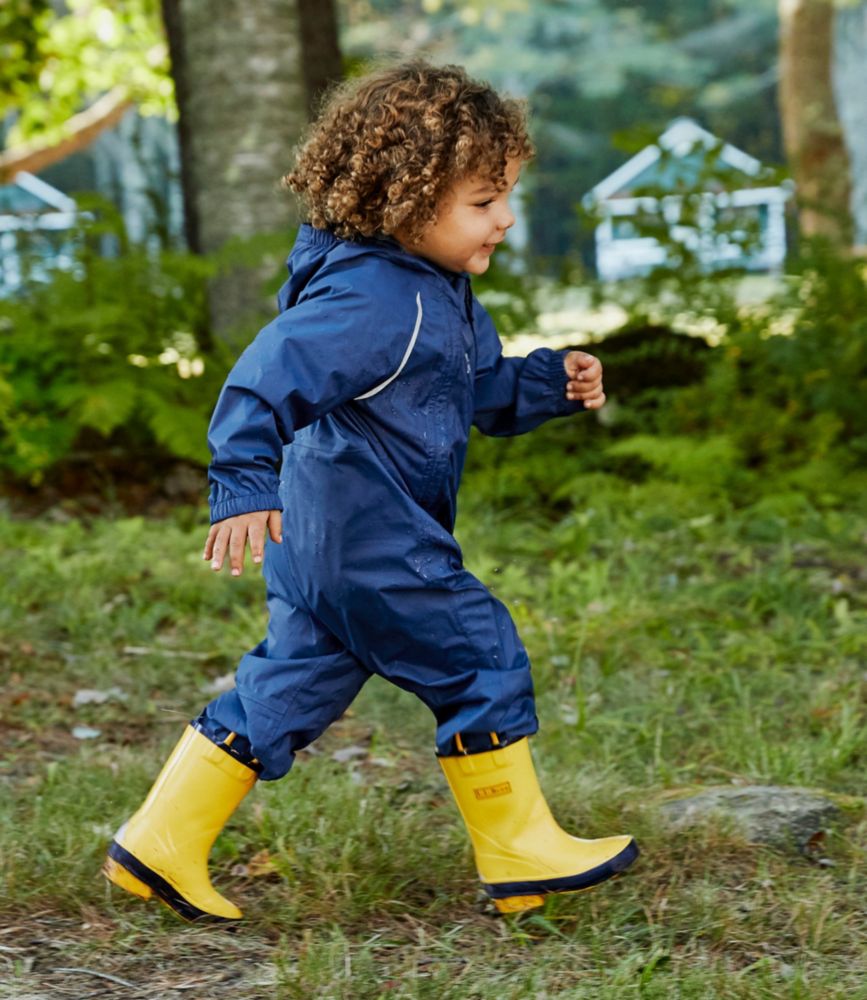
[642,225]
[741,223]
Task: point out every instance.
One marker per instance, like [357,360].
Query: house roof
[677,160]
[28,195]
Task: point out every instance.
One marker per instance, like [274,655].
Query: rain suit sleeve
[336,342]
[514,395]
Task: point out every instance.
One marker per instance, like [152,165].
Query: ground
[679,639]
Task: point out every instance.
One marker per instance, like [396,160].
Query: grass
[680,637]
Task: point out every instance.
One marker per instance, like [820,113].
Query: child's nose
[507,218]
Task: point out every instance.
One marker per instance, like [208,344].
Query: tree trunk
[321,60]
[242,105]
[811,130]
[175,34]
[850,87]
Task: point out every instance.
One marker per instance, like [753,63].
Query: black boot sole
[569,883]
[163,890]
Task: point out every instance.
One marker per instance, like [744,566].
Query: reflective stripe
[402,365]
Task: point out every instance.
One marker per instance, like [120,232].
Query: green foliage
[710,461]
[789,378]
[109,356]
[22,24]
[643,362]
[62,57]
[774,410]
[510,296]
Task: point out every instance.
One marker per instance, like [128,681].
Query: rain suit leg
[383,592]
[288,689]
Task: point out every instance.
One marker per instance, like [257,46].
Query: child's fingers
[209,542]
[219,542]
[591,372]
[256,533]
[595,402]
[275,525]
[573,385]
[237,548]
[583,367]
[581,359]
[582,390]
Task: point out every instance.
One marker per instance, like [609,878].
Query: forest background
[687,567]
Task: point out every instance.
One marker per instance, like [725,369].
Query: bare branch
[80,131]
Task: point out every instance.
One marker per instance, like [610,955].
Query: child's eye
[484,204]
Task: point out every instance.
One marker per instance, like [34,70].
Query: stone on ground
[765,814]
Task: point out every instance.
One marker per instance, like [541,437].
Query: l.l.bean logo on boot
[492,791]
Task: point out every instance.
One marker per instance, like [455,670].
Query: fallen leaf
[259,866]
[85,732]
[92,696]
[346,754]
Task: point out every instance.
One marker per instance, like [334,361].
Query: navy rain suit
[351,411]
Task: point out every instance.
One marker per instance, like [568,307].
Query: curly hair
[388,146]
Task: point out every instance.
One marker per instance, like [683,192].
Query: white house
[740,216]
[35,219]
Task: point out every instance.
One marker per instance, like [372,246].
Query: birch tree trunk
[242,105]
[812,133]
[850,87]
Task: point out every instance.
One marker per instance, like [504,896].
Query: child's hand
[231,536]
[585,379]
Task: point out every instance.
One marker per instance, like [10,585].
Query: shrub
[789,379]
[110,357]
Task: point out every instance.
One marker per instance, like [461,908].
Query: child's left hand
[585,379]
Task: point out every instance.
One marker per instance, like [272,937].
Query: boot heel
[515,904]
[117,874]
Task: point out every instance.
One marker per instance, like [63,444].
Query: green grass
[680,637]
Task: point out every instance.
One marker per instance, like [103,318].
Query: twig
[100,975]
[160,651]
[81,129]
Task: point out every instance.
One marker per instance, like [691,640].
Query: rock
[225,682]
[185,481]
[765,814]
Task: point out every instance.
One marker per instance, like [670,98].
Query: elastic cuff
[246,504]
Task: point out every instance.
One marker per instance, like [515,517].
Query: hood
[314,246]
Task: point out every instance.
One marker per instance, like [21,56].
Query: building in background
[36,224]
[692,189]
[134,166]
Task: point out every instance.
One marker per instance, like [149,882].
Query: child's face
[473,219]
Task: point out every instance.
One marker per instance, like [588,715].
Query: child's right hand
[231,536]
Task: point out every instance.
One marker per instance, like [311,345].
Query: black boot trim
[167,892]
[468,744]
[569,883]
[242,756]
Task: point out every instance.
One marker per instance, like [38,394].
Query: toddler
[338,442]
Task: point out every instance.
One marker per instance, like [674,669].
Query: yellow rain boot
[163,849]
[521,852]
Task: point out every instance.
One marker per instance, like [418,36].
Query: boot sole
[127,872]
[512,897]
